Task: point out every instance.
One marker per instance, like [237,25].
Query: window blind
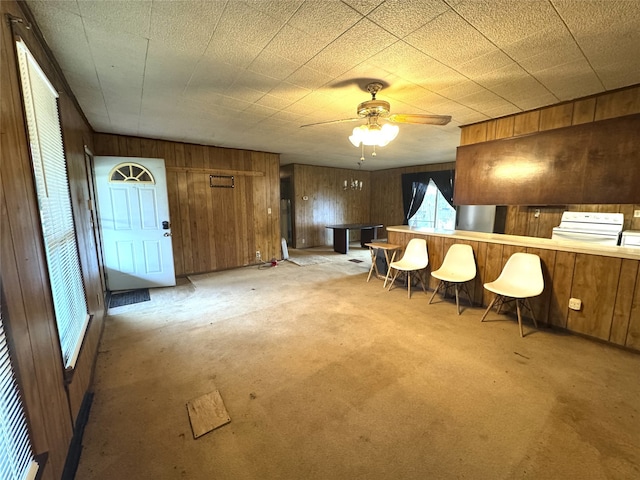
[52,186]
[16,456]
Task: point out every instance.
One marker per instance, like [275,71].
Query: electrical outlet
[258,255]
[575,303]
[636,214]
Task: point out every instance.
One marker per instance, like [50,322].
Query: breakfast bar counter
[605,278]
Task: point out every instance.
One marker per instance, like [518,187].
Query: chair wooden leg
[408,284]
[435,291]
[519,316]
[489,308]
[457,300]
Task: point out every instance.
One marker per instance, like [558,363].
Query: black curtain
[412,197]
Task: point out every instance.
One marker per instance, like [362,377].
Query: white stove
[591,227]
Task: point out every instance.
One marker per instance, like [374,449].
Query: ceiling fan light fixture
[373,134]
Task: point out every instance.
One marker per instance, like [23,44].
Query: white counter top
[533,242]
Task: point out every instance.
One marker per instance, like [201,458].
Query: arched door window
[131,172]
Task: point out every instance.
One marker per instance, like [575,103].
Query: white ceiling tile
[228,51]
[185,26]
[193,70]
[306,77]
[272,65]
[570,80]
[401,17]
[275,8]
[363,6]
[119,16]
[436,40]
[504,22]
[323,19]
[295,45]
[238,16]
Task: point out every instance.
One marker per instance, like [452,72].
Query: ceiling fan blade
[331,121]
[420,119]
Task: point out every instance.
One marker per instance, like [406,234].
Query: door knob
[167,234]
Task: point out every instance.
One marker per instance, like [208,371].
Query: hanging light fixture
[354,183]
[373,134]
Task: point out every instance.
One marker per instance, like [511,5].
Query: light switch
[269,211]
[636,213]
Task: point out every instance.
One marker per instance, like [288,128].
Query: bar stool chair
[520,279]
[458,267]
[414,259]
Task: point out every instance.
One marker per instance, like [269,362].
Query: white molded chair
[414,259]
[458,267]
[520,279]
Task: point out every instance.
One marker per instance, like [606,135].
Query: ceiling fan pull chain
[374,151]
[362,155]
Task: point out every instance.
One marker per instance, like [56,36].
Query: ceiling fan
[374,109]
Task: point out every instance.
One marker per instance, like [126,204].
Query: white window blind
[52,186]
[16,456]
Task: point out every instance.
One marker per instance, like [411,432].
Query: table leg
[373,253]
[389,262]
[341,240]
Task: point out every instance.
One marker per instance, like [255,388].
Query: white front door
[134,219]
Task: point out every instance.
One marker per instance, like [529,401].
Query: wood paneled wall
[609,287]
[386,199]
[538,221]
[213,228]
[51,406]
[326,202]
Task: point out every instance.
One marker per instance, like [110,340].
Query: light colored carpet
[326,376]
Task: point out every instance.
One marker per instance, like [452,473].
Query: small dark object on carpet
[129,298]
[355,260]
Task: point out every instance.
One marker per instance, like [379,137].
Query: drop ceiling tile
[401,17]
[273,102]
[185,26]
[571,80]
[483,64]
[324,20]
[275,8]
[349,49]
[597,17]
[39,7]
[295,44]
[121,16]
[238,15]
[555,44]
[309,78]
[411,64]
[168,67]
[224,50]
[504,22]
[363,6]
[289,92]
[212,77]
[255,81]
[273,65]
[64,31]
[118,58]
[450,39]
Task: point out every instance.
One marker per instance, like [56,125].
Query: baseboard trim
[75,448]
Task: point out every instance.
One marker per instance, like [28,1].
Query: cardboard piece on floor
[206,413]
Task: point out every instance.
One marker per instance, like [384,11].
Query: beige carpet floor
[326,376]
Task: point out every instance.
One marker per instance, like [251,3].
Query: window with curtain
[434,211]
[16,455]
[428,199]
[54,202]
